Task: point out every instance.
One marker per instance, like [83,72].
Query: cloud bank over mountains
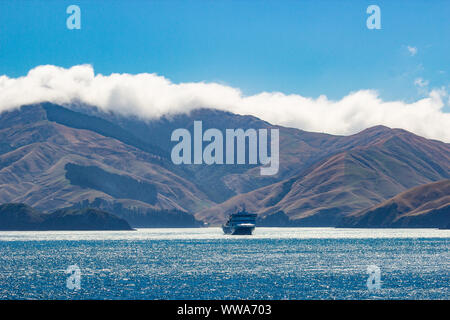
[151,96]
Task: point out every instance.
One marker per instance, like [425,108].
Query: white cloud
[412,50]
[150,96]
[421,83]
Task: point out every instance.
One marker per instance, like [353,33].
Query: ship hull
[238,230]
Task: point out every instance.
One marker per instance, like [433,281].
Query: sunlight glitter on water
[216,233]
[274,263]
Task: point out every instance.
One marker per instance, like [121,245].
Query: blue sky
[305,47]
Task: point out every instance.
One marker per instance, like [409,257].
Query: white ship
[240,223]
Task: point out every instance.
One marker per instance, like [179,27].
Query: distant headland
[21,217]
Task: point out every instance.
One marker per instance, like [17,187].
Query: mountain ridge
[21,217]
[348,181]
[422,206]
[322,177]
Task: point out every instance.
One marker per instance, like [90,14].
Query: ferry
[240,223]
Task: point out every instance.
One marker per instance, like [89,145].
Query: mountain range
[78,156]
[422,206]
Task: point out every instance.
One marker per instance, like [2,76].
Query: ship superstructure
[240,223]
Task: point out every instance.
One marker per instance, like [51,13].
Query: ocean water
[274,263]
